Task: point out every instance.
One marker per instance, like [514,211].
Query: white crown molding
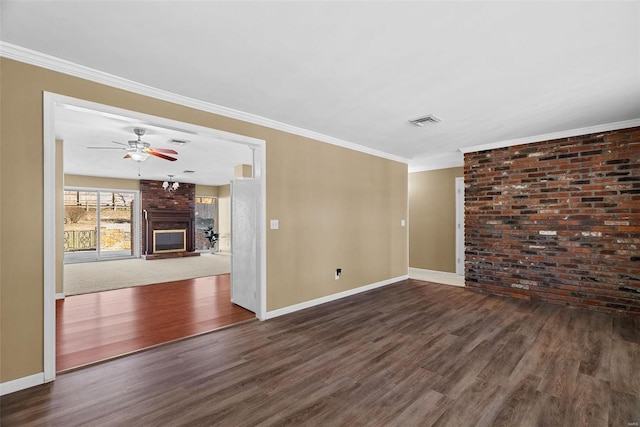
[440,161]
[554,135]
[53,63]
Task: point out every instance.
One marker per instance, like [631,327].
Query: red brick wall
[154,197]
[557,221]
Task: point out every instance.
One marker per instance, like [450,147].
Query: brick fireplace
[164,211]
[557,221]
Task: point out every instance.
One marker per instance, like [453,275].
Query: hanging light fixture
[170,185]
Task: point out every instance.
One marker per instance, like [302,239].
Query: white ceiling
[211,159]
[358,71]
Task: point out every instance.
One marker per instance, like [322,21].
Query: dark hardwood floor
[102,325]
[409,354]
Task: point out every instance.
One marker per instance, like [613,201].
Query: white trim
[157,121]
[21,383]
[459,225]
[260,172]
[442,277]
[332,297]
[437,161]
[49,232]
[60,295]
[43,60]
[439,166]
[606,127]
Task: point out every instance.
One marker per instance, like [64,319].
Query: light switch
[402,223]
[274,224]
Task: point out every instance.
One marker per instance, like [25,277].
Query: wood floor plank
[546,410]
[595,359]
[409,354]
[478,397]
[625,366]
[627,329]
[513,406]
[589,402]
[624,409]
[99,326]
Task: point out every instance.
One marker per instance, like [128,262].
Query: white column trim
[49,237]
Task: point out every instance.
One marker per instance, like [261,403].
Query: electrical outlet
[338,273]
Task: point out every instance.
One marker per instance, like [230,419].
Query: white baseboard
[21,383]
[441,277]
[332,297]
[60,295]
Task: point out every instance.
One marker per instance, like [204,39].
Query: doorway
[51,216]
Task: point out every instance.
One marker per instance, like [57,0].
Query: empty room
[429,212]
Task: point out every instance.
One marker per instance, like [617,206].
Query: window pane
[205,218]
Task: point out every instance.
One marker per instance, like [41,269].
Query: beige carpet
[84,278]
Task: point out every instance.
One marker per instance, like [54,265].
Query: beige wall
[432,219]
[206,190]
[337,208]
[224,218]
[101,182]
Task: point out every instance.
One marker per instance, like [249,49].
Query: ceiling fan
[139,150]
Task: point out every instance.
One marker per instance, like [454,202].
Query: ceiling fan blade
[162,156]
[121,143]
[105,148]
[164,150]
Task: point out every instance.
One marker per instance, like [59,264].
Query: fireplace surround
[160,220]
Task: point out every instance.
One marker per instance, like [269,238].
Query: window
[206,216]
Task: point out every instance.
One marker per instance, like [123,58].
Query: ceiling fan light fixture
[139,157]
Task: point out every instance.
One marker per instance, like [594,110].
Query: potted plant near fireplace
[212,237]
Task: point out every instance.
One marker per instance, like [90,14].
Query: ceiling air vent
[179,142]
[426,120]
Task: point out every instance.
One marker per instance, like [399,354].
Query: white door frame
[50,101]
[460,226]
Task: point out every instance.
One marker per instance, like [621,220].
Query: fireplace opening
[169,241]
